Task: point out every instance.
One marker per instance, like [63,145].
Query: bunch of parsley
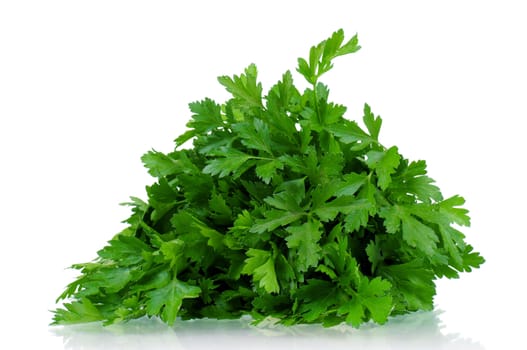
[281,208]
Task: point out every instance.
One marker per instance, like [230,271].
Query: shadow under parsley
[420,330]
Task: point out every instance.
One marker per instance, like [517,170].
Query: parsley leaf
[303,239]
[167,300]
[260,264]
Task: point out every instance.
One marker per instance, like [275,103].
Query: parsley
[281,208]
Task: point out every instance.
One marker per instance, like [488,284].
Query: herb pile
[281,208]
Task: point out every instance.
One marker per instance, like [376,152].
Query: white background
[87,87]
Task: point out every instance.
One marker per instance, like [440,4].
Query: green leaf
[317,297]
[413,285]
[215,239]
[125,250]
[414,233]
[285,201]
[260,265]
[231,162]
[447,233]
[449,209]
[245,87]
[108,278]
[332,45]
[332,113]
[412,183]
[321,55]
[357,218]
[274,219]
[266,170]
[349,132]
[207,116]
[341,205]
[384,164]
[354,311]
[156,279]
[371,296]
[372,123]
[350,47]
[185,222]
[255,135]
[283,97]
[166,301]
[219,208]
[352,183]
[471,259]
[327,270]
[306,70]
[303,239]
[81,311]
[419,235]
[374,295]
[374,252]
[159,164]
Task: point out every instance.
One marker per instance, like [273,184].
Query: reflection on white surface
[421,330]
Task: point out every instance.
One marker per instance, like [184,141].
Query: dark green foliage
[281,208]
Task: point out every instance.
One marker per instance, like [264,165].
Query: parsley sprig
[282,208]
